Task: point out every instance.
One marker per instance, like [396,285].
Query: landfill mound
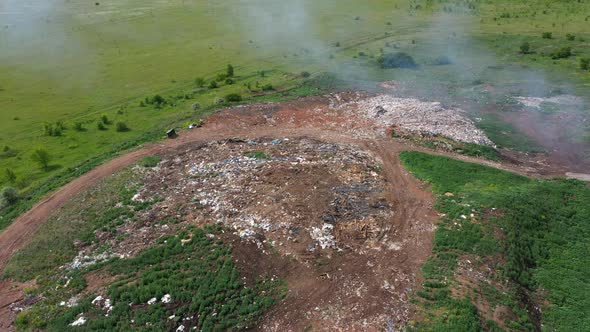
[346,230]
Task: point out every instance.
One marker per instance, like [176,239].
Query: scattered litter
[323,236]
[78,322]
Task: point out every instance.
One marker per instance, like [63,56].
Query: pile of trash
[292,194]
[419,117]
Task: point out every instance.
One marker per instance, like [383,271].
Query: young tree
[42,158]
[230,71]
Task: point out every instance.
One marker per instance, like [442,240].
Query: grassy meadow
[524,239]
[73,62]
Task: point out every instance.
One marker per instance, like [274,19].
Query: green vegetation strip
[545,240]
[195,271]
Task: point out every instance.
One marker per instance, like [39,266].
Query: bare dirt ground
[353,275]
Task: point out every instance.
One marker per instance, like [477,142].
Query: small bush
[8,196]
[305,74]
[562,53]
[221,77]
[158,100]
[267,87]
[53,129]
[547,35]
[585,63]
[78,126]
[101,126]
[122,127]
[104,119]
[200,82]
[397,60]
[42,158]
[150,161]
[443,60]
[230,71]
[525,48]
[213,85]
[570,37]
[229,81]
[233,97]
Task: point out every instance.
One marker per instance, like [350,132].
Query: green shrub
[122,127]
[547,35]
[525,48]
[220,77]
[200,82]
[53,129]
[101,126]
[230,71]
[305,74]
[41,157]
[8,196]
[233,97]
[397,60]
[267,87]
[229,81]
[78,126]
[585,63]
[213,85]
[562,53]
[570,37]
[104,119]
